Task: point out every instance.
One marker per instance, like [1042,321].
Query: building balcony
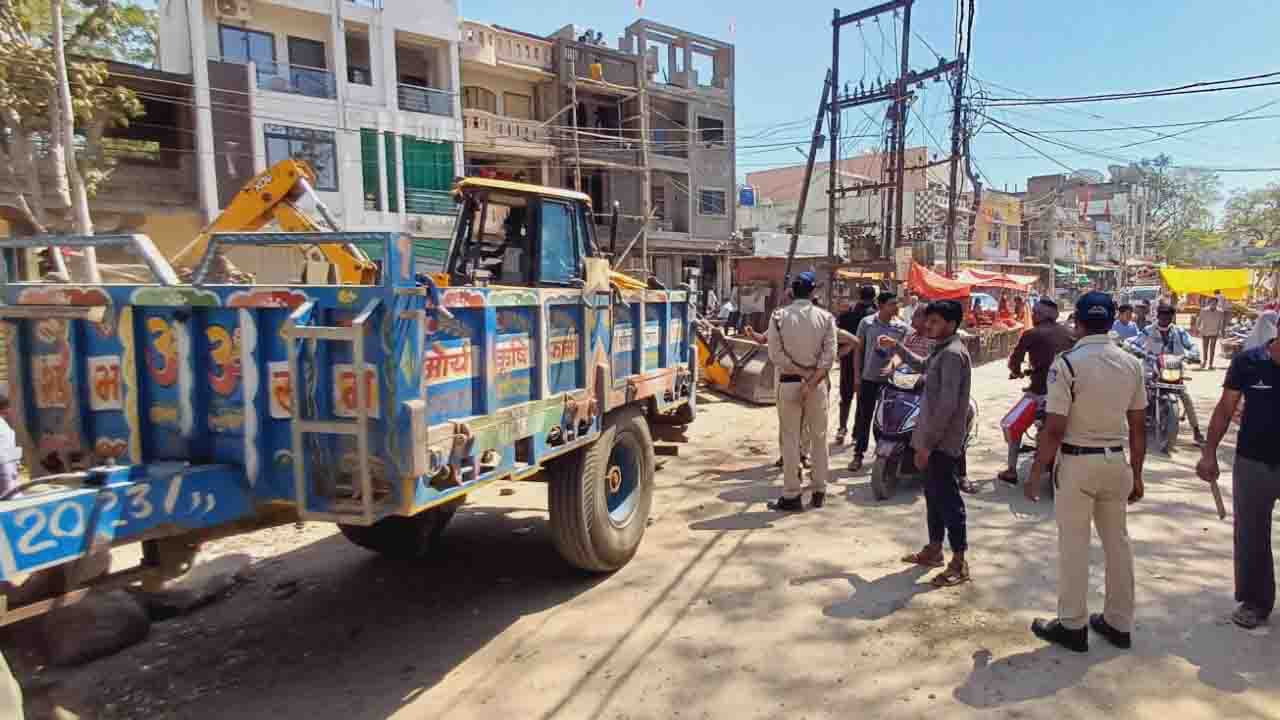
[492,46]
[294,79]
[487,131]
[419,99]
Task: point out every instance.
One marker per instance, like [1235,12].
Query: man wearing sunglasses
[1165,337]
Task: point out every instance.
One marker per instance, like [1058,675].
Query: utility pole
[895,142]
[833,132]
[953,191]
[1052,245]
[828,91]
[900,151]
[571,53]
[646,181]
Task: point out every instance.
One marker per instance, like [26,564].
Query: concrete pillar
[546,172]
[257,136]
[206,178]
[350,170]
[388,70]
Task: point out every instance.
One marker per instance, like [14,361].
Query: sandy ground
[728,611]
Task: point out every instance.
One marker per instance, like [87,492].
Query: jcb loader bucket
[735,366]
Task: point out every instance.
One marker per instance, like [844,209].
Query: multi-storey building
[689,83]
[858,215]
[507,78]
[365,91]
[997,232]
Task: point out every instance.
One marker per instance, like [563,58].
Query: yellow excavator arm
[272,195]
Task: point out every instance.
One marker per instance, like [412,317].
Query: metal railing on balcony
[416,98]
[428,202]
[296,79]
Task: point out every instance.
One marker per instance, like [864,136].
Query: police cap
[1096,306]
[805,281]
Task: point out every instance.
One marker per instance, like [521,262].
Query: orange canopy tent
[932,286]
[980,278]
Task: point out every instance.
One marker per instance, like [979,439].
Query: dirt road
[728,611]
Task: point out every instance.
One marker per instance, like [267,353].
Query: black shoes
[1100,625]
[1055,632]
[1078,640]
[856,463]
[786,504]
[1248,617]
[818,500]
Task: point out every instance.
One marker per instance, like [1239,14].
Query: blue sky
[1038,47]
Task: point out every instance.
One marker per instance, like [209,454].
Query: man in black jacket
[848,322]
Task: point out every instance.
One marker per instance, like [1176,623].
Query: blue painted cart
[171,414]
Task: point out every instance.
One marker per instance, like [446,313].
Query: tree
[124,31]
[32,150]
[1179,200]
[1254,215]
[1189,247]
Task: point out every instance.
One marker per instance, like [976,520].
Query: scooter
[894,422]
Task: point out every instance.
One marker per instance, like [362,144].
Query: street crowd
[1091,395]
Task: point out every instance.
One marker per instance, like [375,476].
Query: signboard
[281,401]
[346,402]
[104,378]
[746,196]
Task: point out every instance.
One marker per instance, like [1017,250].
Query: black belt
[1069,449]
[790,378]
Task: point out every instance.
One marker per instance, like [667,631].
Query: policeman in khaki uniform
[1093,388]
[802,345]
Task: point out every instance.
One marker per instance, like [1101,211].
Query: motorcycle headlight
[1171,375]
[905,381]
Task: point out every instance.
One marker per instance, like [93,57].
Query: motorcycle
[1165,380]
[897,412]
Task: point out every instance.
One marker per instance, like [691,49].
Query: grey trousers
[1255,489]
[1190,407]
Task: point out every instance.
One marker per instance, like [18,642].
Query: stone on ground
[202,584]
[98,625]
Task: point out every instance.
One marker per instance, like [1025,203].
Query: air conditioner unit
[235,9]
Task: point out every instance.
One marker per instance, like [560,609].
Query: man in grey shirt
[938,442]
[869,362]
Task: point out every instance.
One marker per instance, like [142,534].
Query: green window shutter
[369,168]
[392,173]
[428,176]
[429,254]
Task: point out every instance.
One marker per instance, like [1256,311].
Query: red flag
[639,4]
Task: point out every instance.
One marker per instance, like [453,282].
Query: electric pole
[814,144]
[833,132]
[900,150]
[953,191]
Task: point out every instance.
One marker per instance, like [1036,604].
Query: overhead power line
[1187,89]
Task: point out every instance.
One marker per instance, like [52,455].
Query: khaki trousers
[802,422]
[1094,488]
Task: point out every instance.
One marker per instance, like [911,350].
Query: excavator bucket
[735,366]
